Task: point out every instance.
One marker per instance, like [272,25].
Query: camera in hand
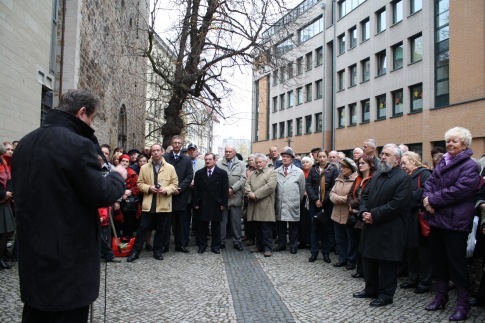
[157,186]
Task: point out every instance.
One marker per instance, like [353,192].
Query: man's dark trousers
[158,220]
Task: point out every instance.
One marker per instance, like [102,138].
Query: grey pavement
[236,287]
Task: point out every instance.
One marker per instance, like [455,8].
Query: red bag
[423,225]
[122,246]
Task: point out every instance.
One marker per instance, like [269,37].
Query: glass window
[353,75]
[282,129]
[416,5]
[309,61]
[311,30]
[299,95]
[381,63]
[299,65]
[346,6]
[308,124]
[397,11]
[282,101]
[341,80]
[299,126]
[365,110]
[275,130]
[365,70]
[284,47]
[397,56]
[319,88]
[275,77]
[341,117]
[289,125]
[416,93]
[397,103]
[282,74]
[318,122]
[341,44]
[353,37]
[275,104]
[381,106]
[290,70]
[381,20]
[365,27]
[308,89]
[290,99]
[352,114]
[319,54]
[416,48]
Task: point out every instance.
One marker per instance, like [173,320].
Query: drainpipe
[61,63]
[334,59]
[324,83]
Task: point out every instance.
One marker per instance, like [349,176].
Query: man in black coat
[384,211]
[180,199]
[211,186]
[58,188]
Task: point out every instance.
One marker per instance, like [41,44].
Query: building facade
[88,44]
[400,71]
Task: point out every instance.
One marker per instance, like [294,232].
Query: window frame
[308,92]
[341,117]
[365,29]
[299,95]
[381,63]
[416,94]
[289,128]
[381,20]
[412,6]
[353,75]
[282,101]
[381,111]
[308,61]
[275,104]
[353,37]
[341,80]
[308,124]
[364,69]
[352,114]
[282,130]
[341,44]
[290,100]
[412,47]
[365,108]
[319,89]
[394,61]
[299,65]
[397,95]
[275,130]
[397,11]
[299,126]
[319,56]
[318,122]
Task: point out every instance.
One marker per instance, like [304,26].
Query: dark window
[381,20]
[365,110]
[299,96]
[397,103]
[299,126]
[311,30]
[282,101]
[308,124]
[381,63]
[289,125]
[341,117]
[282,129]
[353,75]
[319,88]
[318,122]
[275,77]
[290,70]
[299,65]
[365,27]
[365,69]
[319,54]
[381,106]
[341,80]
[341,44]
[275,104]
[353,37]
[290,99]
[275,130]
[397,56]
[309,61]
[416,48]
[352,114]
[416,94]
[397,11]
[308,89]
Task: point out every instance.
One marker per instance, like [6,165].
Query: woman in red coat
[130,207]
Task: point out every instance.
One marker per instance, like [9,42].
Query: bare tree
[209,37]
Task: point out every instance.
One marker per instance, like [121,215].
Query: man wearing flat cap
[290,190]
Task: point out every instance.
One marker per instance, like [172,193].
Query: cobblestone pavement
[236,287]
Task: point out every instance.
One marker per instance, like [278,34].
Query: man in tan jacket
[260,190]
[157,180]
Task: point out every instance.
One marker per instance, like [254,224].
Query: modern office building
[396,71]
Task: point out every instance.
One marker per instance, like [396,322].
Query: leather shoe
[363,294]
[201,250]
[255,249]
[216,251]
[182,249]
[340,264]
[357,275]
[326,258]
[293,251]
[238,247]
[350,267]
[267,253]
[380,302]
[132,257]
[280,248]
[421,290]
[408,285]
[5,265]
[158,255]
[313,258]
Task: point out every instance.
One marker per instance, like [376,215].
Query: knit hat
[124,156]
[349,163]
[3,150]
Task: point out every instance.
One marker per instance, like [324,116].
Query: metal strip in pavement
[254,296]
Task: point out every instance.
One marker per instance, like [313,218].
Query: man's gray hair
[260,155]
[371,142]
[395,148]
[231,147]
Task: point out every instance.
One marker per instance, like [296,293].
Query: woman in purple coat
[448,198]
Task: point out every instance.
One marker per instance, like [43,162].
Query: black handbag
[130,205]
[321,218]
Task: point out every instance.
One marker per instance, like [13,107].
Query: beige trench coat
[263,184]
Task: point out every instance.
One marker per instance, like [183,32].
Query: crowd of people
[382,215]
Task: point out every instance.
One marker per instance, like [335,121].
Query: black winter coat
[313,182]
[388,200]
[420,175]
[210,193]
[185,173]
[58,188]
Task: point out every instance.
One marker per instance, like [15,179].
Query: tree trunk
[173,122]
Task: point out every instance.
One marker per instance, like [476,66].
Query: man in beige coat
[260,190]
[158,181]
